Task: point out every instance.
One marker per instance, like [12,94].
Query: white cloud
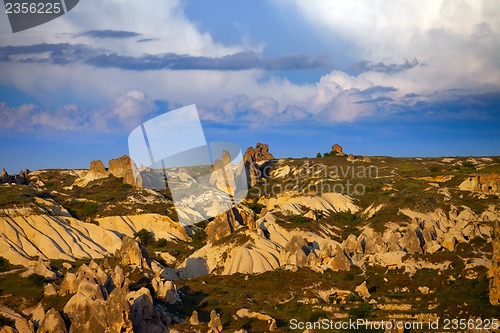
[162,22]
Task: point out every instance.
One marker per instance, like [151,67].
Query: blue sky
[401,78]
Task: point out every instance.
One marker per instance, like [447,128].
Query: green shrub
[145,236]
[256,207]
[5,265]
[162,242]
[4,321]
[36,279]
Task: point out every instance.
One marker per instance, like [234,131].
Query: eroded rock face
[226,223]
[255,162]
[144,316]
[494,272]
[20,179]
[133,253]
[92,273]
[122,167]
[166,290]
[52,323]
[86,310]
[223,174]
[489,183]
[118,313]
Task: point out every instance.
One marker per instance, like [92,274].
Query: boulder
[166,290]
[86,310]
[351,158]
[144,316]
[410,242]
[49,289]
[118,313]
[52,323]
[296,251]
[92,273]
[43,268]
[367,159]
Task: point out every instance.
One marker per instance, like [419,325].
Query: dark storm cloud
[64,54]
[367,66]
[102,34]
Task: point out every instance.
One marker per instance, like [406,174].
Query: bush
[4,321]
[36,279]
[161,242]
[145,236]
[5,265]
[256,207]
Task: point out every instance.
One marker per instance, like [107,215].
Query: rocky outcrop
[143,314]
[351,158]
[337,149]
[256,163]
[122,167]
[91,310]
[91,273]
[215,323]
[133,253]
[165,290]
[20,179]
[21,325]
[246,313]
[226,223]
[86,309]
[494,272]
[52,323]
[222,176]
[485,183]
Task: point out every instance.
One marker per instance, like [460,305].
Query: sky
[399,78]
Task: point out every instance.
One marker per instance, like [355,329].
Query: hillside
[333,237]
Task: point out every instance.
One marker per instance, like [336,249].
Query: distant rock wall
[21,178]
[122,167]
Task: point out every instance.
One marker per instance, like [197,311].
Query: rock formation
[122,167]
[52,323]
[489,183]
[133,253]
[226,223]
[256,162]
[144,316]
[215,323]
[166,290]
[337,149]
[20,179]
[223,174]
[86,309]
[246,313]
[351,158]
[494,272]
